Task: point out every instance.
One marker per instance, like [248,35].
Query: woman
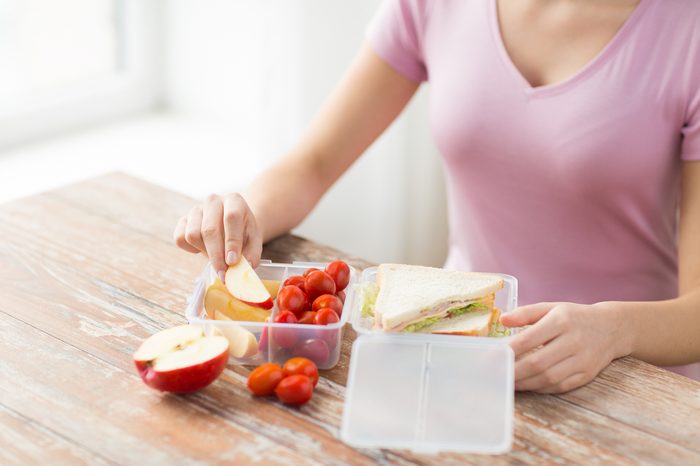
[570,130]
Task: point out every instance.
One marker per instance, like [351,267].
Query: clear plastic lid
[429,393]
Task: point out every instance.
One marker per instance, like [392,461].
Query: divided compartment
[429,394]
[277,342]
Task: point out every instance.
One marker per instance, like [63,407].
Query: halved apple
[244,284]
[181,359]
[242,343]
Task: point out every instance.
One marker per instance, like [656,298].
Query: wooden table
[88,271]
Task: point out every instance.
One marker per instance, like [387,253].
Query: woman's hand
[222,227]
[566,346]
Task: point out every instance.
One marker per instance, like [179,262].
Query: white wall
[262,69]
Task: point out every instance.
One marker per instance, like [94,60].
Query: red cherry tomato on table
[328,300]
[291,298]
[295,390]
[296,280]
[326,316]
[307,317]
[302,366]
[340,273]
[264,379]
[341,295]
[309,270]
[318,283]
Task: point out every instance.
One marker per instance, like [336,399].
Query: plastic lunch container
[422,392]
[278,342]
[429,393]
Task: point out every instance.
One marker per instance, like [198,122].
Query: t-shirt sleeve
[690,144]
[690,148]
[395,34]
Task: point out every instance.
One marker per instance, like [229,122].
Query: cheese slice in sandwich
[414,298]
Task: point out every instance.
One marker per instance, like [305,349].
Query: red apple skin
[183,380]
[265,304]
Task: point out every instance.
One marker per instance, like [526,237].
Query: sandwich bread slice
[478,323]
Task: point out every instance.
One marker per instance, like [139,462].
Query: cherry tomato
[328,300]
[325,316]
[295,390]
[318,283]
[286,317]
[315,349]
[262,344]
[284,337]
[340,273]
[302,366]
[341,296]
[307,317]
[291,298]
[309,270]
[331,337]
[264,379]
[296,280]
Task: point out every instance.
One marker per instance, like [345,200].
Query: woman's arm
[666,332]
[366,101]
[571,343]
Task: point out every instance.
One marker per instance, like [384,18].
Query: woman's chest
[550,41]
[614,121]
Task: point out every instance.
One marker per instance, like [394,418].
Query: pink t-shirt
[573,187]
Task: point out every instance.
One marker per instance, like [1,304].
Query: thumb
[526,315]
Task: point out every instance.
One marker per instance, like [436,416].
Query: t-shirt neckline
[593,65]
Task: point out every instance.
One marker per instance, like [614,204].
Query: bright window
[70,63]
[46,44]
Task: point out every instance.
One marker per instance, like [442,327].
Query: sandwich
[411,298]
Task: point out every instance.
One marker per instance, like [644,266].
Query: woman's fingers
[213,234]
[235,218]
[556,373]
[193,230]
[253,246]
[526,315]
[535,364]
[179,236]
[532,337]
[223,228]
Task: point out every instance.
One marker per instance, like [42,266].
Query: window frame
[133,88]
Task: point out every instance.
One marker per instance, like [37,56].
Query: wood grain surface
[88,271]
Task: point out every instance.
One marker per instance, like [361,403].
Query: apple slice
[243,283]
[181,359]
[273,286]
[242,343]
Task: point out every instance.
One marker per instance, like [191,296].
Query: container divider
[423,395]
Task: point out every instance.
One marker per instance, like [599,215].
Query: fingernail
[222,276]
[231,258]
